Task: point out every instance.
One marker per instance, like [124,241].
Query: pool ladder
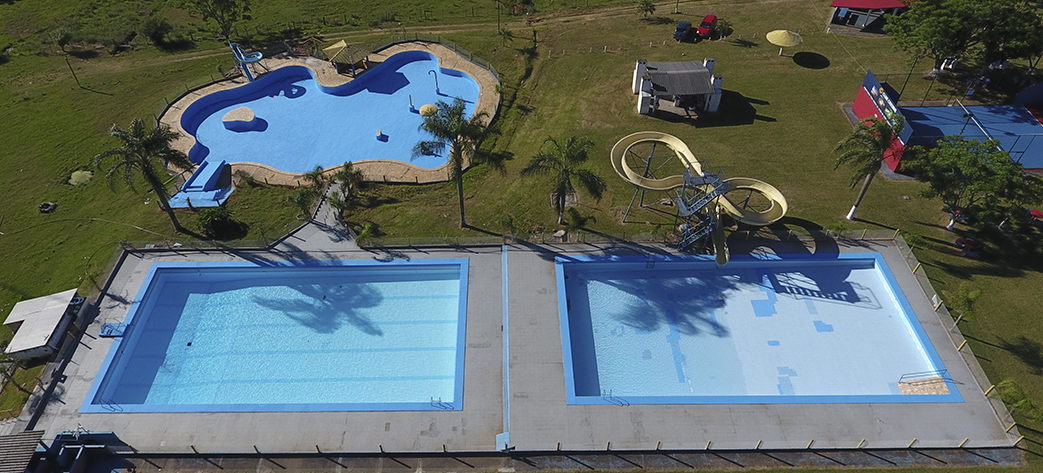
[441,405]
[614,399]
[111,405]
[943,374]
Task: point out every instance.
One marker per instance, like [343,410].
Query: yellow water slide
[757,217]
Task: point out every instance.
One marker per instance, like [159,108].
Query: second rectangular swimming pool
[790,329]
[316,336]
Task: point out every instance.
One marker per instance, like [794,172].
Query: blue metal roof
[1018,132]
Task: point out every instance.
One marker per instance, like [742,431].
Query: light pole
[907,76]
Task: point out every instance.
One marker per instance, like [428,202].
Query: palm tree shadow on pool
[683,304]
[326,310]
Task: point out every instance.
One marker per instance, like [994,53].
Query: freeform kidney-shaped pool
[300,124]
[329,336]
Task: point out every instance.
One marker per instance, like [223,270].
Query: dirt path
[556,18]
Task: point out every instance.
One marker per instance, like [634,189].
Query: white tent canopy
[36,324]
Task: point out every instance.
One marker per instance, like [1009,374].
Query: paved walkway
[324,233]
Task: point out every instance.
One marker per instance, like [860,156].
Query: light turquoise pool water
[341,336]
[781,330]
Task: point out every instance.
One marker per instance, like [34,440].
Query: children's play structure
[243,61]
[700,194]
[689,85]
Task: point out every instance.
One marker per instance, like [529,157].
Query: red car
[707,26]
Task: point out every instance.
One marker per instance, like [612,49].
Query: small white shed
[39,323]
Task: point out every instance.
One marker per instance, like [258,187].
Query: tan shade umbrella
[783,39]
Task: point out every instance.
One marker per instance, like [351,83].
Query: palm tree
[646,7]
[462,136]
[866,148]
[563,160]
[315,177]
[350,180]
[303,200]
[145,151]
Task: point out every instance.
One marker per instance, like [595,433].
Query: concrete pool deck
[513,288]
[540,417]
[326,75]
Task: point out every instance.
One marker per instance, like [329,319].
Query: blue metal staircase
[697,203]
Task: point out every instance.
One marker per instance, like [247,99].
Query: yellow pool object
[756,217]
[428,110]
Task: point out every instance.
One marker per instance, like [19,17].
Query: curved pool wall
[760,330]
[306,336]
[301,124]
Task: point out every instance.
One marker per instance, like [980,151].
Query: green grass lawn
[778,123]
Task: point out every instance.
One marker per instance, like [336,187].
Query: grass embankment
[779,120]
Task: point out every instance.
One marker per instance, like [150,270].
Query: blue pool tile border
[746,260]
[89,405]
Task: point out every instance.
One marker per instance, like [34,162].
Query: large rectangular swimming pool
[313,336]
[790,329]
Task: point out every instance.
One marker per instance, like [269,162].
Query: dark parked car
[706,28]
[683,30]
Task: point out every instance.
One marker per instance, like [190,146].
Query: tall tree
[145,151]
[350,180]
[1014,29]
[562,161]
[969,175]
[450,129]
[939,29]
[866,148]
[223,12]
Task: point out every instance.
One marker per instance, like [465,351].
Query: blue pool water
[681,330]
[301,124]
[343,335]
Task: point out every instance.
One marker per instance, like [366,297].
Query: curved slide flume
[775,211]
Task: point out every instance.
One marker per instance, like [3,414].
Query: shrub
[156,30]
[217,223]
